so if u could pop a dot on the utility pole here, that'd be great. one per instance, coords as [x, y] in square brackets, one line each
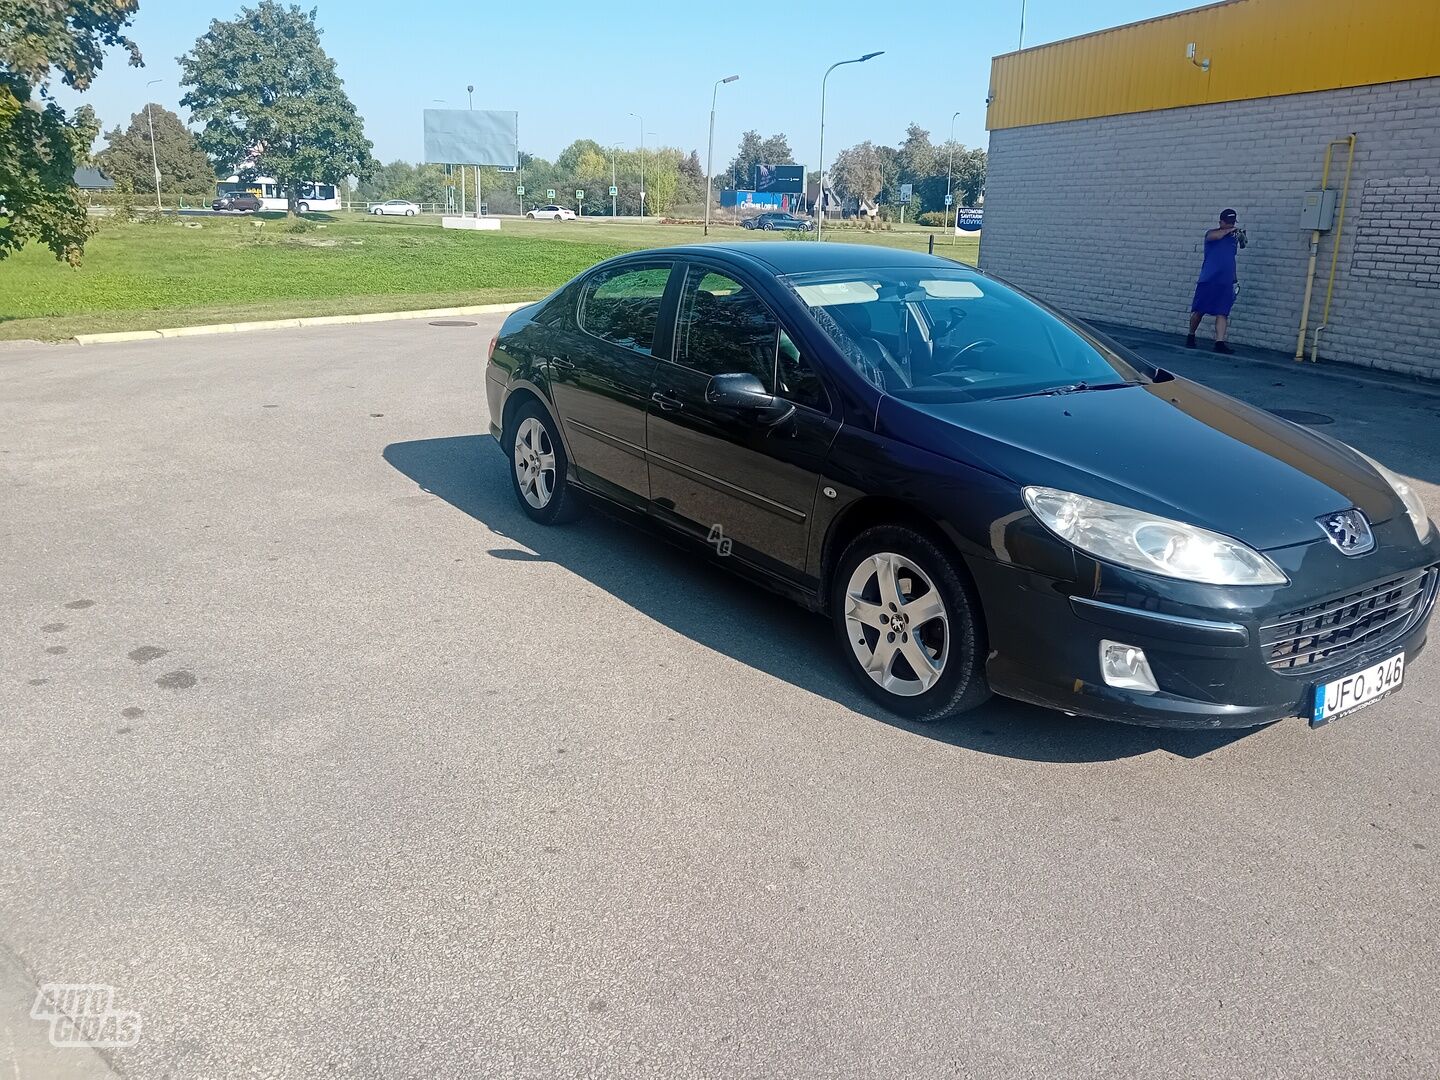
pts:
[613, 187]
[642, 162]
[154, 162]
[710, 153]
[820, 201]
[949, 175]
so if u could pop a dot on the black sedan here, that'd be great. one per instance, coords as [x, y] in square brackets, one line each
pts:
[980, 493]
[241, 201]
[771, 222]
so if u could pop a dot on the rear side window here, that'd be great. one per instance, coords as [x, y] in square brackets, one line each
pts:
[623, 305]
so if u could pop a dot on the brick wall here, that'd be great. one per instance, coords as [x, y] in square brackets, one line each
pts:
[1106, 217]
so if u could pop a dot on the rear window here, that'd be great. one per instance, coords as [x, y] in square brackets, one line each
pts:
[623, 305]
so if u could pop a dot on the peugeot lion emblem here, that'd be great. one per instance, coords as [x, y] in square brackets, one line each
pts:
[1349, 531]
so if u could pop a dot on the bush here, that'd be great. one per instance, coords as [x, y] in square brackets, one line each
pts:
[938, 218]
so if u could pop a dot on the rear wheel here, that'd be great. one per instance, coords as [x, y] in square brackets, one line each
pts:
[539, 469]
[768, 226]
[303, 207]
[908, 624]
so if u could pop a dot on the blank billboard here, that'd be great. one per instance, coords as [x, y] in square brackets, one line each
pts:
[471, 137]
[781, 179]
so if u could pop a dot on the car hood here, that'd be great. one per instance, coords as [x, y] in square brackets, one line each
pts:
[1172, 447]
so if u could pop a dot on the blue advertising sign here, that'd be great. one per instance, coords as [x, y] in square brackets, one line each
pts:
[968, 218]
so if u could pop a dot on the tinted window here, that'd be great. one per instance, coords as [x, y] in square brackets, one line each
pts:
[725, 328]
[623, 305]
[940, 334]
[796, 380]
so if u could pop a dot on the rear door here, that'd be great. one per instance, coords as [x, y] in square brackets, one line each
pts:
[748, 488]
[601, 368]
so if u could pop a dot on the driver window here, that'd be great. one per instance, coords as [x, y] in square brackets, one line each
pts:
[725, 328]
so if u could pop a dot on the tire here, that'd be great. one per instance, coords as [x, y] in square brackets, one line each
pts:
[950, 635]
[303, 207]
[769, 226]
[409, 213]
[531, 442]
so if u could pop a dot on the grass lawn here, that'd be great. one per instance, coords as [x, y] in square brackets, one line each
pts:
[147, 276]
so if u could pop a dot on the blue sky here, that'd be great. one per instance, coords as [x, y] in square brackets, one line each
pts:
[575, 73]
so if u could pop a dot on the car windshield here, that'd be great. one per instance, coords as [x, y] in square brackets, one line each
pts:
[936, 334]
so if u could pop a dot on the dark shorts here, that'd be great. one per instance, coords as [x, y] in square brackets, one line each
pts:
[1214, 298]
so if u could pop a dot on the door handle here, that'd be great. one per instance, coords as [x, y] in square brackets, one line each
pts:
[561, 363]
[666, 401]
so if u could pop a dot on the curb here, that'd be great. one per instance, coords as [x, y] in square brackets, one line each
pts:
[290, 324]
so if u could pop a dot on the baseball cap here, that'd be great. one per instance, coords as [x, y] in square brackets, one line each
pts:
[1227, 215]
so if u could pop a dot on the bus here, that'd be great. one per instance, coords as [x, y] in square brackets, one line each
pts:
[271, 193]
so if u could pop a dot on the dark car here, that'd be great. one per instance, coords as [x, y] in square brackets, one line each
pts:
[981, 493]
[240, 200]
[773, 221]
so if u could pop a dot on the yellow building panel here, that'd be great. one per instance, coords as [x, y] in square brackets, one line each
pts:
[1254, 49]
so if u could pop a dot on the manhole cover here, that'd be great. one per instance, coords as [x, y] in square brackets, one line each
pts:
[451, 322]
[1300, 416]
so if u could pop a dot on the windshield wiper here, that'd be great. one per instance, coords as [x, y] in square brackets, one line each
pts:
[1071, 388]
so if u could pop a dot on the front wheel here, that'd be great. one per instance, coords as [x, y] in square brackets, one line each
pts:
[908, 624]
[409, 213]
[539, 470]
[768, 227]
[303, 207]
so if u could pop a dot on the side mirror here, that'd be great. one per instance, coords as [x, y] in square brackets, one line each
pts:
[745, 393]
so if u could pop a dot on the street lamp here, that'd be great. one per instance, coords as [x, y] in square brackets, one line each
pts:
[642, 161]
[470, 93]
[950, 172]
[820, 201]
[710, 153]
[154, 162]
[1022, 24]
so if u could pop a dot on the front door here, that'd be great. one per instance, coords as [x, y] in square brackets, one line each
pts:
[747, 487]
[601, 376]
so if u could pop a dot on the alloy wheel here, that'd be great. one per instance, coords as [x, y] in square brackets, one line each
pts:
[897, 624]
[534, 463]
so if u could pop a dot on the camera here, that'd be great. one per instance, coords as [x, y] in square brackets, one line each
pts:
[1240, 233]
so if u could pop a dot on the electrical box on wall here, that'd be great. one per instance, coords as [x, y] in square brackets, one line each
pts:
[1318, 210]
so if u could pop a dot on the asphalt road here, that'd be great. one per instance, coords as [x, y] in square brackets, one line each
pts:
[331, 763]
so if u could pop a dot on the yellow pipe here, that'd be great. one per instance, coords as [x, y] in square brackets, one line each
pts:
[1334, 251]
[1314, 254]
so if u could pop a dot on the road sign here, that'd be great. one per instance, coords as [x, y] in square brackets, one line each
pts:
[614, 191]
[949, 199]
[519, 189]
[905, 192]
[550, 194]
[579, 194]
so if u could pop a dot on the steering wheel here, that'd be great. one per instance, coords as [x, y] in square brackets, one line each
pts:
[978, 343]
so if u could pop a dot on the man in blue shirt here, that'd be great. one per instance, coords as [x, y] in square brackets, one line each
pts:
[1219, 282]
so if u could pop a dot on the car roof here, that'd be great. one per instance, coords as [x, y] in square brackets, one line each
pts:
[808, 256]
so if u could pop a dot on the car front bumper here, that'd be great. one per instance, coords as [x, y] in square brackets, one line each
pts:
[1209, 656]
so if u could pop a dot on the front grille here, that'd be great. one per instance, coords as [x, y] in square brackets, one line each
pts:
[1329, 632]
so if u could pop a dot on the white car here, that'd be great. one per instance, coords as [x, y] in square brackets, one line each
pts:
[550, 213]
[397, 207]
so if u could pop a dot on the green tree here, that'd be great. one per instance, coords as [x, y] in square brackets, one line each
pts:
[754, 150]
[270, 101]
[39, 145]
[859, 171]
[183, 165]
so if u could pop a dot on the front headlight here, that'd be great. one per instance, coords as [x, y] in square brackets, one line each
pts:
[1155, 545]
[1408, 495]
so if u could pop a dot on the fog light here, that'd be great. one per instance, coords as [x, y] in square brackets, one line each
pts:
[1125, 666]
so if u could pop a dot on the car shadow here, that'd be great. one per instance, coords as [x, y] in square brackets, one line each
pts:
[696, 597]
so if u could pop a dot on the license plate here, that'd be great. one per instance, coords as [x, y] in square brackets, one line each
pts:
[1343, 696]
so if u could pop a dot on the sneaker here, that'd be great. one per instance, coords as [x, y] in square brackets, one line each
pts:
[1222, 347]
[1189, 341]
